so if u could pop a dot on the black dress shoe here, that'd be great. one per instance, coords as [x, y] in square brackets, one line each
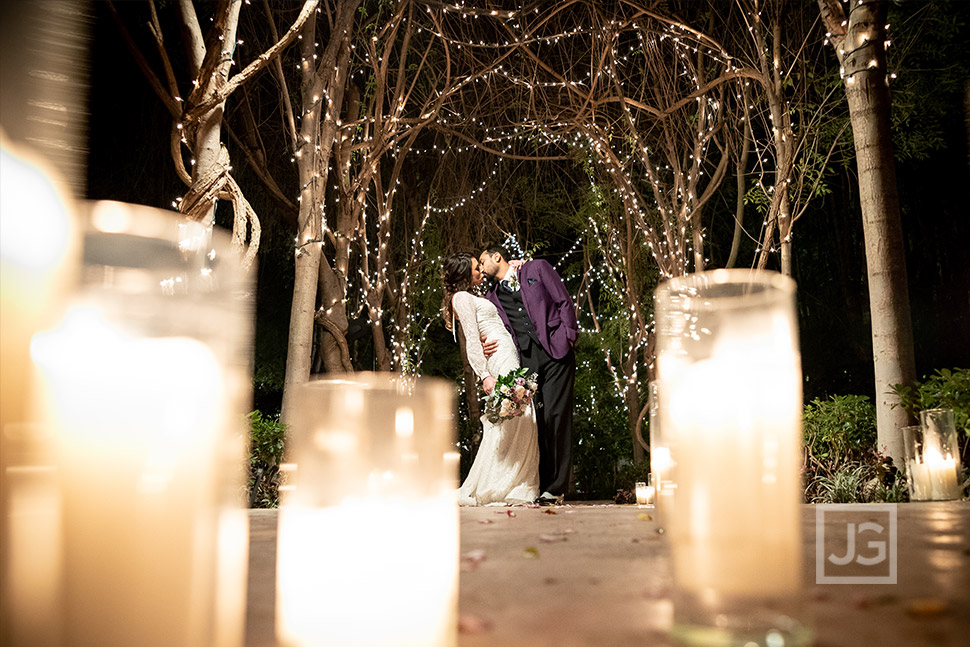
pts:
[547, 498]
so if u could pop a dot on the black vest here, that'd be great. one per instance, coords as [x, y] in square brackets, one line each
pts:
[518, 317]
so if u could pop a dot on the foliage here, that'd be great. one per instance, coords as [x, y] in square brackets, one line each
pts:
[627, 478]
[601, 438]
[933, 39]
[265, 455]
[945, 389]
[839, 437]
[839, 430]
[861, 483]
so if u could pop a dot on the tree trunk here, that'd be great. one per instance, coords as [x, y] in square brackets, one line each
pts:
[634, 422]
[333, 319]
[208, 139]
[322, 96]
[861, 51]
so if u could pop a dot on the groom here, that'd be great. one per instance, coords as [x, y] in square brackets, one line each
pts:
[539, 314]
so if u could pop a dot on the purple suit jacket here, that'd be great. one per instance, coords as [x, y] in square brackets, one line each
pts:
[548, 305]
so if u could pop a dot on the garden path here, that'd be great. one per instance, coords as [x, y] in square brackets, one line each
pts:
[587, 574]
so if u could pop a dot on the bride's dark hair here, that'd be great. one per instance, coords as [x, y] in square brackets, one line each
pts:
[456, 276]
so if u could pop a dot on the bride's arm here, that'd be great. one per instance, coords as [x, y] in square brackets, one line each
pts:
[463, 305]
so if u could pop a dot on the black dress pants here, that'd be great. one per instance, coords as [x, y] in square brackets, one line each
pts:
[554, 415]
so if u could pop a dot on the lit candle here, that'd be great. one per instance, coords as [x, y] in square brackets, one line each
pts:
[368, 532]
[37, 243]
[141, 387]
[735, 511]
[934, 479]
[645, 493]
[932, 457]
[661, 460]
[38, 258]
[137, 423]
[730, 415]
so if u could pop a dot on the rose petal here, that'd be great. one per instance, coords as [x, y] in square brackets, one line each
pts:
[469, 624]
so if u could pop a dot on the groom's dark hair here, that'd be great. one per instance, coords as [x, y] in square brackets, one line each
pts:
[497, 249]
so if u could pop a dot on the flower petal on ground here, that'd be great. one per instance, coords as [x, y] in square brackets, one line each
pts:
[469, 624]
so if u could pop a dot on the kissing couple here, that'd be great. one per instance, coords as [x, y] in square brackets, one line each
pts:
[527, 319]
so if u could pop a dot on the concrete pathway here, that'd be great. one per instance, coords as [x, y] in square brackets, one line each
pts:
[599, 575]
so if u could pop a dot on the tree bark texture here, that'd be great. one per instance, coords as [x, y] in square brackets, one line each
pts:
[216, 61]
[861, 51]
[322, 97]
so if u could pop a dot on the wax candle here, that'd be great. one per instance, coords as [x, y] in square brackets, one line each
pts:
[735, 511]
[932, 457]
[369, 572]
[368, 529]
[38, 259]
[137, 422]
[935, 478]
[142, 388]
[645, 494]
[730, 414]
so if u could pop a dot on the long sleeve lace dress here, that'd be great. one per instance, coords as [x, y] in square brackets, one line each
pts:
[506, 469]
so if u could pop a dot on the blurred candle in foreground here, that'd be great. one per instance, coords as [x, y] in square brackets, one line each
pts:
[37, 262]
[368, 527]
[143, 384]
[730, 377]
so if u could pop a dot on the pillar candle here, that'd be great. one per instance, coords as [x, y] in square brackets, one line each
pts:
[368, 531]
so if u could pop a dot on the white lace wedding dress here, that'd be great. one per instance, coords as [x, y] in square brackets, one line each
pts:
[506, 469]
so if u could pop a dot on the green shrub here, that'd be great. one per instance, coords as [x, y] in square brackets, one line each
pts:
[265, 455]
[866, 482]
[839, 430]
[945, 389]
[840, 451]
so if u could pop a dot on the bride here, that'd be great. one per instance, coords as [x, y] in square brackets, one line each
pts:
[506, 469]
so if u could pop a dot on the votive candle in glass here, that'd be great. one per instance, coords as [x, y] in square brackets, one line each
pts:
[38, 261]
[933, 457]
[368, 527]
[730, 376]
[144, 384]
[645, 492]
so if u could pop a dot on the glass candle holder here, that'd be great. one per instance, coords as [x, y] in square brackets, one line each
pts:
[730, 376]
[933, 457]
[144, 383]
[661, 460]
[368, 524]
[38, 260]
[646, 492]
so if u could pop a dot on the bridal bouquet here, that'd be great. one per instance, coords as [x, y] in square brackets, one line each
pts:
[513, 392]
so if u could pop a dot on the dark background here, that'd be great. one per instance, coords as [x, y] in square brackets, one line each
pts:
[128, 160]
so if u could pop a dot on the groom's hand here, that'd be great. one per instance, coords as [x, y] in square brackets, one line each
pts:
[489, 347]
[488, 384]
